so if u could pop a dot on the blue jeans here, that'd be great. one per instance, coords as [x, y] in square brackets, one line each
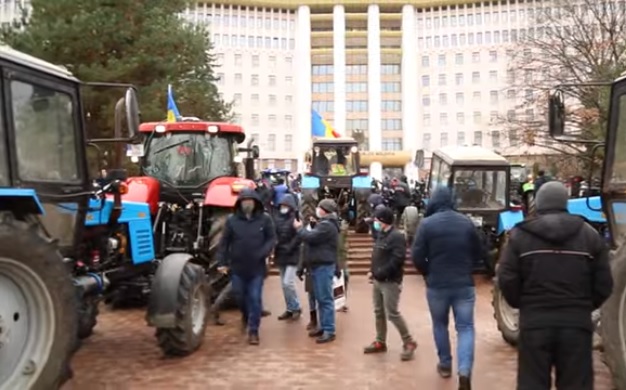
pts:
[288, 281]
[323, 291]
[462, 301]
[249, 291]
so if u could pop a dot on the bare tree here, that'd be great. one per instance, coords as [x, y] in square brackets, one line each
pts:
[567, 43]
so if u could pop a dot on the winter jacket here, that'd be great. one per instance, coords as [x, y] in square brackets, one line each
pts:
[402, 195]
[388, 256]
[375, 200]
[447, 245]
[555, 270]
[247, 242]
[287, 251]
[541, 180]
[321, 241]
[410, 220]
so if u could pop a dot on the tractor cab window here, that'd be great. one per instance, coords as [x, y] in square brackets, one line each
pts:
[480, 189]
[45, 133]
[189, 159]
[332, 160]
[439, 175]
[619, 159]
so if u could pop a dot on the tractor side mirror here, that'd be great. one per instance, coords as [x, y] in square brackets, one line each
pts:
[556, 115]
[256, 152]
[419, 159]
[132, 113]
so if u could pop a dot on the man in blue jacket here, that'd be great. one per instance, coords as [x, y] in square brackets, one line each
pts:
[248, 239]
[445, 249]
[321, 248]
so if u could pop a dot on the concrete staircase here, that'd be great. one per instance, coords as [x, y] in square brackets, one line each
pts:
[360, 255]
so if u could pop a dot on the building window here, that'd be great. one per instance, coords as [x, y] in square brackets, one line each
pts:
[442, 79]
[390, 69]
[237, 99]
[477, 117]
[493, 76]
[441, 60]
[238, 78]
[392, 143]
[288, 143]
[458, 78]
[255, 61]
[391, 105]
[255, 119]
[476, 96]
[476, 57]
[443, 118]
[271, 142]
[475, 77]
[220, 79]
[425, 61]
[443, 140]
[272, 81]
[458, 58]
[426, 120]
[288, 121]
[460, 98]
[272, 99]
[426, 141]
[386, 87]
[255, 98]
[493, 97]
[478, 138]
[493, 56]
[426, 100]
[495, 138]
[425, 81]
[391, 124]
[460, 138]
[238, 59]
[443, 99]
[255, 79]
[460, 118]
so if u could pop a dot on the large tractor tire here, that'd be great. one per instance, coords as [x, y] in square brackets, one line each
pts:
[363, 210]
[87, 317]
[613, 321]
[38, 309]
[218, 281]
[191, 314]
[309, 202]
[507, 318]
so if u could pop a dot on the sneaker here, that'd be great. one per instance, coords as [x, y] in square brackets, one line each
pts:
[253, 339]
[266, 313]
[316, 332]
[464, 383]
[325, 338]
[295, 315]
[408, 351]
[375, 347]
[444, 372]
[285, 316]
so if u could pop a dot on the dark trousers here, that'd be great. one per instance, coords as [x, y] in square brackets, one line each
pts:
[568, 350]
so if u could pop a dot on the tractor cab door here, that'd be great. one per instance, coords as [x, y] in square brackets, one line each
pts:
[46, 149]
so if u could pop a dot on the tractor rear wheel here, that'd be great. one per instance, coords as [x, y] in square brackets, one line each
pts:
[217, 281]
[613, 321]
[507, 318]
[191, 314]
[362, 210]
[87, 317]
[308, 204]
[38, 322]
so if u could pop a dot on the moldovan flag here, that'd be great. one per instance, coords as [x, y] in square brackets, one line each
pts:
[172, 111]
[321, 128]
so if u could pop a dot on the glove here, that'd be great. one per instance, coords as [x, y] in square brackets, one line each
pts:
[337, 272]
[300, 274]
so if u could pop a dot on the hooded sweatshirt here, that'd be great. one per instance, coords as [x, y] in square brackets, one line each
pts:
[247, 242]
[287, 250]
[555, 266]
[446, 245]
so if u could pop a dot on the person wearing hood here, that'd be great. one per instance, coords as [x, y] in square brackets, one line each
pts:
[286, 255]
[555, 270]
[445, 249]
[321, 251]
[374, 201]
[248, 239]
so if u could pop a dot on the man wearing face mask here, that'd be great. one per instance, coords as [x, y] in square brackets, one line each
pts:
[286, 255]
[321, 247]
[248, 239]
[386, 273]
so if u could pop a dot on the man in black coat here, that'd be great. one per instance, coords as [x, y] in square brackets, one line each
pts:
[248, 239]
[555, 270]
[286, 255]
[386, 274]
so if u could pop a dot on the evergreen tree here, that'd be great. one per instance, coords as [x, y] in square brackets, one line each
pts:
[141, 42]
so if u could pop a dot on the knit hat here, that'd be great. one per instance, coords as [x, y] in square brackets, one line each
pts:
[328, 205]
[552, 196]
[384, 215]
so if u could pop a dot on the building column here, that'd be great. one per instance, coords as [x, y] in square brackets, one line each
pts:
[302, 141]
[339, 63]
[373, 85]
[410, 86]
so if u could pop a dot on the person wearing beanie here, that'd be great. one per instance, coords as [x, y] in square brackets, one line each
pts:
[445, 249]
[555, 270]
[321, 244]
[386, 272]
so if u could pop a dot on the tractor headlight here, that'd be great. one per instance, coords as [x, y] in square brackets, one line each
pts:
[212, 129]
[160, 128]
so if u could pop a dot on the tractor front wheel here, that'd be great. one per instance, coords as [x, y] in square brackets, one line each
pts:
[191, 314]
[507, 318]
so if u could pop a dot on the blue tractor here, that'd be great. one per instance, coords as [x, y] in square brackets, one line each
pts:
[279, 181]
[334, 173]
[67, 243]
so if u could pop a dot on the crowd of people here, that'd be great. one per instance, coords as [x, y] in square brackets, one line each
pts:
[554, 269]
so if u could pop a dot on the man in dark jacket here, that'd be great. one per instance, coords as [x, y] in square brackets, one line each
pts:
[321, 251]
[540, 180]
[386, 274]
[555, 270]
[247, 241]
[286, 255]
[445, 249]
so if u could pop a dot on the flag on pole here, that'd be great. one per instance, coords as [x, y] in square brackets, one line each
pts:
[172, 110]
[321, 128]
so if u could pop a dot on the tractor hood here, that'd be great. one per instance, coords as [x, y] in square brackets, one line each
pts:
[223, 191]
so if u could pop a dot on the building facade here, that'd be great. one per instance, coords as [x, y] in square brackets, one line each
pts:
[403, 75]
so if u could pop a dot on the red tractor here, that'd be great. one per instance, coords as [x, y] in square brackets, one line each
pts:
[191, 177]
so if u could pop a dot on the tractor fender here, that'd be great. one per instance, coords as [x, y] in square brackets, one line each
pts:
[21, 201]
[163, 300]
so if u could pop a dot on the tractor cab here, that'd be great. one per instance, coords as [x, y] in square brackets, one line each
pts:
[190, 159]
[335, 157]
